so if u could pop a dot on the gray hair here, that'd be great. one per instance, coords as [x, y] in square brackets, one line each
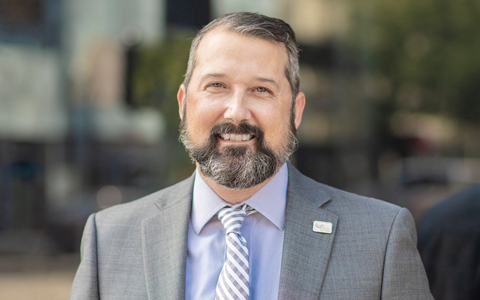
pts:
[254, 25]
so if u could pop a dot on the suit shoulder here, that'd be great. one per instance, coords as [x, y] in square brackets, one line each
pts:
[339, 201]
[352, 200]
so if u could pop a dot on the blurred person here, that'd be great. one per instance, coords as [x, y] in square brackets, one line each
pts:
[449, 244]
[247, 224]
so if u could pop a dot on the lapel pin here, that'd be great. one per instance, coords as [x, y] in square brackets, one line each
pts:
[322, 227]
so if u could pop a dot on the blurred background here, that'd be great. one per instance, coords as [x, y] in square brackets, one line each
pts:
[89, 117]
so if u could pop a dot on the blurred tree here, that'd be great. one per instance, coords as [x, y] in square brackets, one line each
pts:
[425, 51]
[157, 76]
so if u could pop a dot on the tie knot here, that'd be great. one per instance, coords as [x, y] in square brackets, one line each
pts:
[232, 218]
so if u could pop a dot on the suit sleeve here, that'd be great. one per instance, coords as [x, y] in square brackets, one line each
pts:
[85, 284]
[404, 275]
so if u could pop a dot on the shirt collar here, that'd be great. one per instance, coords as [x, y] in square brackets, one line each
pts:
[270, 201]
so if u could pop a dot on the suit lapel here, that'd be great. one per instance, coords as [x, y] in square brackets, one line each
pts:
[305, 253]
[164, 243]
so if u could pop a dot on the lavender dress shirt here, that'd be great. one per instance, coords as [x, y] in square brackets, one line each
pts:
[263, 231]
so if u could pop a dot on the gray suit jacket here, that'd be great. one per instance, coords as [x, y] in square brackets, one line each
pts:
[138, 250]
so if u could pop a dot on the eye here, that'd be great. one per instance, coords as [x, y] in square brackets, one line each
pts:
[261, 89]
[215, 85]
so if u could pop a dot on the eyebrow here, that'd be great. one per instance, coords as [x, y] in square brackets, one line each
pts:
[210, 75]
[268, 80]
[214, 75]
[221, 75]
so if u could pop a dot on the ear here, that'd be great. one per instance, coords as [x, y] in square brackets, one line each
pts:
[181, 94]
[299, 106]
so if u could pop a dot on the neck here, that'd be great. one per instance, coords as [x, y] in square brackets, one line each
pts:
[233, 196]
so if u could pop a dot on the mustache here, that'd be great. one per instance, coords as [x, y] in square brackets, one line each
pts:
[242, 128]
[210, 145]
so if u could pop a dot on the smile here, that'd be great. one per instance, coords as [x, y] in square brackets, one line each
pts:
[236, 137]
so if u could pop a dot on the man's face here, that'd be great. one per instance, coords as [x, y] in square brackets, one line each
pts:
[237, 119]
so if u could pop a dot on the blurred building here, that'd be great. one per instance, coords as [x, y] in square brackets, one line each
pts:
[70, 143]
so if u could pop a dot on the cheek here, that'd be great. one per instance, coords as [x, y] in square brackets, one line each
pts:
[200, 120]
[206, 110]
[275, 123]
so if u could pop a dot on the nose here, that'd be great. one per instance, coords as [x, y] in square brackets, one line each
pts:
[237, 109]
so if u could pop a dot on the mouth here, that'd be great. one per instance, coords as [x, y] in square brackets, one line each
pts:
[236, 137]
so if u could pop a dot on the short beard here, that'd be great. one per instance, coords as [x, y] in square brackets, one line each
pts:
[238, 167]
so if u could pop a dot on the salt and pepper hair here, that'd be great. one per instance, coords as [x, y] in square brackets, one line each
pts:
[259, 26]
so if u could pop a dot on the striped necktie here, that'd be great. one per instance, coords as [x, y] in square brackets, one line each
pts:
[233, 282]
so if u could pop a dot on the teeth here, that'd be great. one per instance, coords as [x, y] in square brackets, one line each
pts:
[236, 137]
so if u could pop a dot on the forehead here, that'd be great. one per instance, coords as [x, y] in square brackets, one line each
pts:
[224, 50]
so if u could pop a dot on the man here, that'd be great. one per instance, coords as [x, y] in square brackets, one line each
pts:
[247, 224]
[449, 244]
